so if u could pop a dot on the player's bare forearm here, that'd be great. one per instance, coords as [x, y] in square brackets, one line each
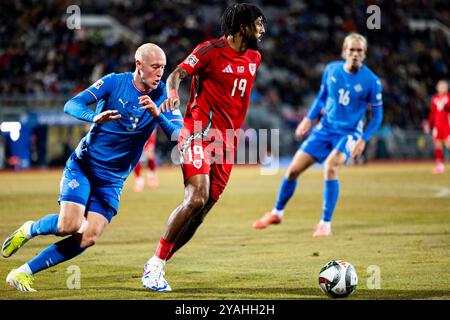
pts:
[174, 80]
[303, 127]
[173, 83]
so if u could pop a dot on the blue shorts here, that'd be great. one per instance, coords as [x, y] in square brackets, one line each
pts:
[321, 142]
[79, 186]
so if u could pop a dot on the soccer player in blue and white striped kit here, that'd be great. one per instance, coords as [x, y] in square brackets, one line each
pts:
[348, 88]
[126, 115]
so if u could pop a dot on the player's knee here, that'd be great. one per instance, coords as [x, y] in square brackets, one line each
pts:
[330, 170]
[197, 201]
[87, 242]
[68, 226]
[292, 173]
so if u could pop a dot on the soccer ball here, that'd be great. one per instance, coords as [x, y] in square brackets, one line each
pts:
[338, 278]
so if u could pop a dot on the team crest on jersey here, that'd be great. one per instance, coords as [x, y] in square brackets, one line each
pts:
[252, 68]
[350, 143]
[73, 184]
[191, 60]
[98, 84]
[197, 164]
[358, 88]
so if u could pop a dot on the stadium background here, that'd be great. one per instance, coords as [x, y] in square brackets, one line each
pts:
[43, 63]
[391, 216]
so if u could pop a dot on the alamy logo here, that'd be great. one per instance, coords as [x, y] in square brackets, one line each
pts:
[73, 21]
[374, 20]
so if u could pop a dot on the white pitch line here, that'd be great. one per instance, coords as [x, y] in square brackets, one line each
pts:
[442, 193]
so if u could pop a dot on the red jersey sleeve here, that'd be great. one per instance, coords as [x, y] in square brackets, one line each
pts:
[196, 62]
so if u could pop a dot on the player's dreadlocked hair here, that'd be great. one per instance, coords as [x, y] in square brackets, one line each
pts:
[240, 14]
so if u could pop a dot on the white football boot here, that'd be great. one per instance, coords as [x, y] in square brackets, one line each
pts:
[153, 276]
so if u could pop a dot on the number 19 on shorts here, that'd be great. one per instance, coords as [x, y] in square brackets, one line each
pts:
[198, 151]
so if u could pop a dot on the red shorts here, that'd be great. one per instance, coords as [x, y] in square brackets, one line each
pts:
[205, 153]
[441, 133]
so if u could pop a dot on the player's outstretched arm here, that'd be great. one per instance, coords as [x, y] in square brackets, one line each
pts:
[78, 107]
[173, 83]
[303, 127]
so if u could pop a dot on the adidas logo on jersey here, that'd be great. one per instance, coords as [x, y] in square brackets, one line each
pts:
[227, 69]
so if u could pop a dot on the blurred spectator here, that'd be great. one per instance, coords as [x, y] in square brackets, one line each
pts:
[40, 55]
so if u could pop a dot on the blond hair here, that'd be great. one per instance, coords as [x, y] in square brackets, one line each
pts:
[144, 50]
[352, 37]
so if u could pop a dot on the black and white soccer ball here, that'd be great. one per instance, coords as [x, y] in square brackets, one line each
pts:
[338, 278]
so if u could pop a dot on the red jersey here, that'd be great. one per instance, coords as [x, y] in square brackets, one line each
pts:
[221, 83]
[440, 112]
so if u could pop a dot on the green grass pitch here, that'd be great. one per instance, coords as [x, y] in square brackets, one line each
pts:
[391, 218]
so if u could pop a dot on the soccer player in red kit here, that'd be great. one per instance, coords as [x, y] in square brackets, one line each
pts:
[439, 121]
[223, 71]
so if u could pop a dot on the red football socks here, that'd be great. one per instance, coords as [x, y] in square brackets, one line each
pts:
[439, 155]
[152, 164]
[137, 169]
[164, 248]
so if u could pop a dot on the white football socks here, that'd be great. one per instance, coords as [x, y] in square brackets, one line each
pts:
[326, 223]
[28, 231]
[277, 212]
[156, 260]
[25, 268]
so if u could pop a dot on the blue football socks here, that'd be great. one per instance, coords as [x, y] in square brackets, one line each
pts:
[46, 225]
[286, 191]
[61, 251]
[330, 197]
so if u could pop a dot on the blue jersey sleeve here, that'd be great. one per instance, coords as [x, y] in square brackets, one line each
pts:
[376, 103]
[78, 106]
[103, 87]
[319, 102]
[171, 123]
[375, 95]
